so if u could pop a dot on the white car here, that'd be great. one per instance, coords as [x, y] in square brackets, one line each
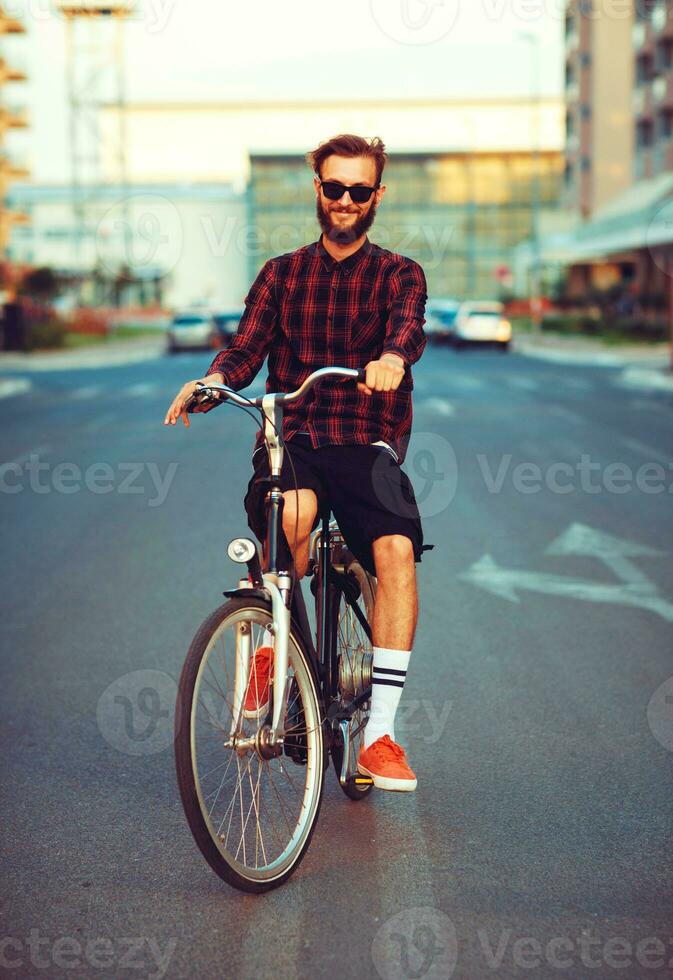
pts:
[484, 322]
[440, 318]
[191, 330]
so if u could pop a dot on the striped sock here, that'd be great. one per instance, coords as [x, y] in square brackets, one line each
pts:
[389, 670]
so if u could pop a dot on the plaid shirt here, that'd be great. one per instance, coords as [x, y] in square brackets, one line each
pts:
[306, 311]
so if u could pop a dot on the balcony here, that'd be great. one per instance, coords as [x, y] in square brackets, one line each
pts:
[10, 25]
[13, 117]
[11, 72]
[13, 167]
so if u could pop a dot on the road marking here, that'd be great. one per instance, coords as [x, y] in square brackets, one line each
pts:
[570, 357]
[648, 451]
[637, 377]
[634, 588]
[141, 389]
[14, 386]
[440, 406]
[81, 394]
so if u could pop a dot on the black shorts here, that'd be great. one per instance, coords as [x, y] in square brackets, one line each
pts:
[364, 486]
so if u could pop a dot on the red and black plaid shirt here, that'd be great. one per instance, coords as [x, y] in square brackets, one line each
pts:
[306, 310]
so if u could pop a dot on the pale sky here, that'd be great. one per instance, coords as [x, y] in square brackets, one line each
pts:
[207, 50]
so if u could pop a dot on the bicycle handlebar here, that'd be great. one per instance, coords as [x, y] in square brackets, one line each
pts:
[203, 394]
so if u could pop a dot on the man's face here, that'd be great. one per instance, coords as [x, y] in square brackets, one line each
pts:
[344, 221]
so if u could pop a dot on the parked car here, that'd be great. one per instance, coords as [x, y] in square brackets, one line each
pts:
[226, 325]
[483, 322]
[440, 318]
[191, 330]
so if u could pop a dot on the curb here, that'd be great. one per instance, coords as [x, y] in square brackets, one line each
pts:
[83, 358]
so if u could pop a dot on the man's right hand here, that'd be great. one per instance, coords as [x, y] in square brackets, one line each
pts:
[177, 409]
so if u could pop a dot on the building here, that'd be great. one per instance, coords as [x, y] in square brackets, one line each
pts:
[12, 117]
[652, 99]
[236, 173]
[460, 214]
[599, 70]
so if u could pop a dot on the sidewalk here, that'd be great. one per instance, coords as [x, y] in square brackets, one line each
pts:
[644, 365]
[109, 354]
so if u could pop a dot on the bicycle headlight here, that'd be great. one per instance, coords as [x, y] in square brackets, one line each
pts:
[241, 550]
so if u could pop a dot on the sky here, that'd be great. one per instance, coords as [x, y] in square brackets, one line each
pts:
[204, 50]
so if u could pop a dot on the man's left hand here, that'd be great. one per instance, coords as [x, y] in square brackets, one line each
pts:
[383, 375]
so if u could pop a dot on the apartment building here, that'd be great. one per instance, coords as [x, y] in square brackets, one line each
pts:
[12, 117]
[599, 71]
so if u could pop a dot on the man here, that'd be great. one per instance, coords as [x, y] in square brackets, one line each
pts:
[342, 301]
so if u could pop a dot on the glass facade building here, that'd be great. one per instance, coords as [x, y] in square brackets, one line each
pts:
[459, 214]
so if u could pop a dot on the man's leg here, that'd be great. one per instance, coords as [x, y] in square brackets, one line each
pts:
[395, 616]
[396, 609]
[299, 513]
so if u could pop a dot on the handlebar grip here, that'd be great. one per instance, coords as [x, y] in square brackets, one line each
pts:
[362, 375]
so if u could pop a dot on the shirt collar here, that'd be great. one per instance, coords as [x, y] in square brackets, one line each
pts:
[344, 265]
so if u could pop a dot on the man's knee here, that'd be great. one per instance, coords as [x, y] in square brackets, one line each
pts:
[393, 555]
[299, 512]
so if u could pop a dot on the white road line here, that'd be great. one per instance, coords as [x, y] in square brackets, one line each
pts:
[141, 389]
[438, 406]
[81, 394]
[14, 386]
[648, 451]
[640, 377]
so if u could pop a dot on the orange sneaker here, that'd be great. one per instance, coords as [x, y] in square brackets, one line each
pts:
[257, 695]
[386, 762]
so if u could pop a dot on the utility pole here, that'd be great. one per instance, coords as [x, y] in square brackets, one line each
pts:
[95, 66]
[536, 264]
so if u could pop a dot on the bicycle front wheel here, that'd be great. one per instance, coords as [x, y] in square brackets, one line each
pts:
[252, 817]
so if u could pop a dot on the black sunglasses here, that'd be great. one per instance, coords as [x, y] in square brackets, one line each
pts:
[359, 193]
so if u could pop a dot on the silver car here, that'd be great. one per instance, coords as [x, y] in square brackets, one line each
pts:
[484, 322]
[191, 330]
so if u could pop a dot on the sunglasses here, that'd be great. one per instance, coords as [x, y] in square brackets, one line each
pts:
[359, 193]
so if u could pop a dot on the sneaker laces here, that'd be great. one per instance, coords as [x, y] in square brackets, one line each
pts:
[386, 746]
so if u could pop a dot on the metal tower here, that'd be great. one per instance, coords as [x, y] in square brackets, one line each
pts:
[96, 80]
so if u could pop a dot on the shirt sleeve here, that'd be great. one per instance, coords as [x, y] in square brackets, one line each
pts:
[405, 335]
[241, 361]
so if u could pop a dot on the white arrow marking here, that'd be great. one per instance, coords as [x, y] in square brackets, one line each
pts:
[635, 589]
[439, 406]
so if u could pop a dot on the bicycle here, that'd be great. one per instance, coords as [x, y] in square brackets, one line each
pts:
[252, 787]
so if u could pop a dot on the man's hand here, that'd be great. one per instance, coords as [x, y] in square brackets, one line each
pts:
[383, 375]
[177, 409]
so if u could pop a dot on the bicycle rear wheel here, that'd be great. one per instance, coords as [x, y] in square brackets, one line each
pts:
[252, 817]
[354, 653]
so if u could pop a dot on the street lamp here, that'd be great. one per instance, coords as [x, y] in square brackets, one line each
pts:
[533, 40]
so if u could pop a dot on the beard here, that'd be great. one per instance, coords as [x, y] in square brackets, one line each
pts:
[344, 236]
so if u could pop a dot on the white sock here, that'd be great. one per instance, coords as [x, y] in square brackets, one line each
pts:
[267, 640]
[389, 670]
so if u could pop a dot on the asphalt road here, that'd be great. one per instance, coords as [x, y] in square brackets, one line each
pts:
[538, 712]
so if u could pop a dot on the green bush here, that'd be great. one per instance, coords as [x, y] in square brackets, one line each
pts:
[45, 334]
[573, 323]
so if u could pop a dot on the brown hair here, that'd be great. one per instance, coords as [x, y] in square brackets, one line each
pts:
[347, 145]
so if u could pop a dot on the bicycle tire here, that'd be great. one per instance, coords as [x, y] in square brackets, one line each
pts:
[367, 585]
[185, 725]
